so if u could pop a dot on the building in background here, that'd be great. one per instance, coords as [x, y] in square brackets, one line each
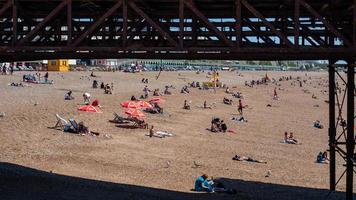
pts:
[58, 65]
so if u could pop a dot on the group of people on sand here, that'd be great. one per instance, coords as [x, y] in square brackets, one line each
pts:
[108, 89]
[5, 70]
[204, 184]
[218, 125]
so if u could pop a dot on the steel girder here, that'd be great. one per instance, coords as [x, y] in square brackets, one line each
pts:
[181, 29]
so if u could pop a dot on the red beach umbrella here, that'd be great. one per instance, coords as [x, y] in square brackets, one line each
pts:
[134, 113]
[130, 104]
[90, 108]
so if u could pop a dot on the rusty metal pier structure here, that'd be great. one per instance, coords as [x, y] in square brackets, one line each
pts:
[197, 29]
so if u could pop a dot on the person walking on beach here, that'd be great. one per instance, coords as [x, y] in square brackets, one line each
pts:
[151, 133]
[275, 95]
[46, 77]
[240, 107]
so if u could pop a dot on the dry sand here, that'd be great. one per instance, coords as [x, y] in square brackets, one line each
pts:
[128, 158]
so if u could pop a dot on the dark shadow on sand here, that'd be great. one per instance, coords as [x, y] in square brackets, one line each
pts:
[23, 183]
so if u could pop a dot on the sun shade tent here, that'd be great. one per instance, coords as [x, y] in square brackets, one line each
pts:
[90, 108]
[156, 100]
[144, 104]
[134, 113]
[130, 104]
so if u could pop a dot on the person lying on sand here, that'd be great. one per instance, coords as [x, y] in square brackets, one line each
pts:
[227, 91]
[238, 95]
[17, 84]
[239, 119]
[247, 159]
[186, 106]
[155, 109]
[322, 158]
[227, 101]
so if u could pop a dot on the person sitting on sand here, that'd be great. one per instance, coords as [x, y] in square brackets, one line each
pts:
[202, 184]
[92, 74]
[322, 158]
[314, 96]
[289, 139]
[95, 84]
[215, 125]
[227, 101]
[133, 98]
[205, 106]
[146, 92]
[96, 103]
[102, 85]
[166, 91]
[317, 124]
[86, 97]
[247, 159]
[186, 106]
[156, 92]
[107, 89]
[185, 90]
[223, 126]
[68, 96]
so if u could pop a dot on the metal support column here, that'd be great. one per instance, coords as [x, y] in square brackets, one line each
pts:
[350, 142]
[332, 129]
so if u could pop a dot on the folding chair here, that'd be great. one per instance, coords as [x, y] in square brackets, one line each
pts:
[61, 122]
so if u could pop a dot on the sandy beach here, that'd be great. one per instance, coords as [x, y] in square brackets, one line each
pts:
[163, 168]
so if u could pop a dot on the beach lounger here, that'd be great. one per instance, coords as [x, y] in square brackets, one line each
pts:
[61, 123]
[119, 120]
